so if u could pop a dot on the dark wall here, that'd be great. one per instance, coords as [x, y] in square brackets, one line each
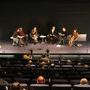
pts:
[43, 14]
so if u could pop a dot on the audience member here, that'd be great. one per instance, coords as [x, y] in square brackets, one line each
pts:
[3, 82]
[44, 60]
[28, 56]
[15, 86]
[40, 80]
[84, 81]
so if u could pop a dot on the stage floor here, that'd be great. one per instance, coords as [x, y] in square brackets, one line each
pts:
[6, 47]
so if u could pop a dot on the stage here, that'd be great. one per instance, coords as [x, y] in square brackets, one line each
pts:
[39, 48]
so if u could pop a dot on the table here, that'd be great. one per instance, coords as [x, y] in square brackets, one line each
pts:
[42, 38]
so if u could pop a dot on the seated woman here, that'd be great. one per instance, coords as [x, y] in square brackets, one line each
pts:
[73, 37]
[28, 56]
[52, 37]
[34, 35]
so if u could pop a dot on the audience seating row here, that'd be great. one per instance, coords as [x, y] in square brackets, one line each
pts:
[49, 87]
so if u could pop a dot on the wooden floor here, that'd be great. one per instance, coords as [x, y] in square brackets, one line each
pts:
[6, 47]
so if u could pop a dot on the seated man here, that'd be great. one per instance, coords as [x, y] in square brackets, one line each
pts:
[18, 37]
[84, 81]
[63, 36]
[40, 80]
[15, 86]
[21, 36]
[15, 38]
[44, 60]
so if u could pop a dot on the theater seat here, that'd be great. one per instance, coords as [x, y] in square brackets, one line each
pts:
[61, 87]
[24, 86]
[59, 81]
[39, 87]
[81, 87]
[73, 82]
[22, 80]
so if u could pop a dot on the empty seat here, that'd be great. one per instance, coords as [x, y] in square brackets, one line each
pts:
[39, 87]
[61, 87]
[81, 87]
[59, 81]
[73, 82]
[22, 80]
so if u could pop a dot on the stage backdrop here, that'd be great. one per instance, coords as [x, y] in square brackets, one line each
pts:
[43, 14]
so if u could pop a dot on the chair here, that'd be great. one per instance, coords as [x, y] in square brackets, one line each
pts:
[82, 37]
[34, 81]
[73, 82]
[81, 87]
[22, 80]
[24, 86]
[61, 87]
[39, 87]
[59, 81]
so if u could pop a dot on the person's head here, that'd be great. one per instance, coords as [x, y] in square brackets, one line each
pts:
[75, 30]
[30, 61]
[35, 29]
[20, 29]
[15, 86]
[64, 29]
[17, 30]
[83, 81]
[53, 28]
[40, 79]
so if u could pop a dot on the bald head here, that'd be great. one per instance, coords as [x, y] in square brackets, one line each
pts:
[40, 80]
[83, 81]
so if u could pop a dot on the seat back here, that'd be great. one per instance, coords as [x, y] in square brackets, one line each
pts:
[59, 81]
[81, 87]
[39, 87]
[24, 86]
[61, 87]
[82, 37]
